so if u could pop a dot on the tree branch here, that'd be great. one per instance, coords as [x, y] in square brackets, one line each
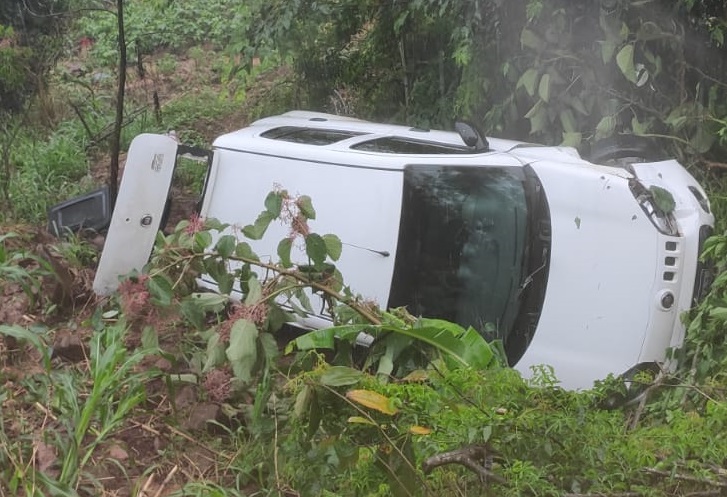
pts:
[477, 458]
[365, 313]
[683, 477]
[644, 398]
[618, 494]
[116, 137]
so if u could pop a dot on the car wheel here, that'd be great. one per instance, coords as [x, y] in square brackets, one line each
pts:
[622, 150]
[634, 384]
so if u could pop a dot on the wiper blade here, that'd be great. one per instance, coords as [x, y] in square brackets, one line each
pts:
[529, 279]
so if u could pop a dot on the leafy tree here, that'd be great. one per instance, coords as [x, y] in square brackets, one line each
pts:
[545, 70]
[384, 58]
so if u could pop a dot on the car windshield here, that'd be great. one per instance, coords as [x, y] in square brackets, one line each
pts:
[463, 246]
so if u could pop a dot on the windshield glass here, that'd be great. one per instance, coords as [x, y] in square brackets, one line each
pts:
[462, 245]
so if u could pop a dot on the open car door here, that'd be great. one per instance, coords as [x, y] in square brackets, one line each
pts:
[141, 206]
[138, 209]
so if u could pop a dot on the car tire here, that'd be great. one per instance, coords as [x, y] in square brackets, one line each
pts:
[622, 150]
[632, 391]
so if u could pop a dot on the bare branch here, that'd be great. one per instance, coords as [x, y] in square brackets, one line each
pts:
[644, 398]
[683, 477]
[713, 165]
[618, 494]
[116, 136]
[476, 458]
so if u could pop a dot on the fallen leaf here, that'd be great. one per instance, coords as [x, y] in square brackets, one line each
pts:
[373, 400]
[117, 452]
[45, 456]
[419, 430]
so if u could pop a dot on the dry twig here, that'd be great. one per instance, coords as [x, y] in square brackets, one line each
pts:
[715, 165]
[644, 398]
[166, 480]
[147, 485]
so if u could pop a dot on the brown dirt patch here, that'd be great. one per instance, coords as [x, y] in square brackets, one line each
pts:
[14, 304]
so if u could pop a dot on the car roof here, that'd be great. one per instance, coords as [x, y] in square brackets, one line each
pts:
[253, 139]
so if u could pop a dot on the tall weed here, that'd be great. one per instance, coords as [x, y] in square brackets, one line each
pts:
[46, 169]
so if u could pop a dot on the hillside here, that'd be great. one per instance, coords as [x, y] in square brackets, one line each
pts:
[165, 390]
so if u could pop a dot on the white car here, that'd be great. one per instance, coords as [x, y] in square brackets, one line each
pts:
[580, 266]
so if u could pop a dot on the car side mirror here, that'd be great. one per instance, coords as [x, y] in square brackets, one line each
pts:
[471, 136]
[90, 211]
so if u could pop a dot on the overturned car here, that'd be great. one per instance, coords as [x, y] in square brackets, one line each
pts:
[582, 266]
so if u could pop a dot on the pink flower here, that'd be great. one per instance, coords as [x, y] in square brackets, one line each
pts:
[257, 313]
[134, 296]
[217, 384]
[196, 224]
[291, 215]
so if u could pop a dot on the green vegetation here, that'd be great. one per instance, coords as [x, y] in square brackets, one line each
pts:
[543, 70]
[535, 70]
[21, 267]
[87, 406]
[391, 422]
[45, 171]
[167, 390]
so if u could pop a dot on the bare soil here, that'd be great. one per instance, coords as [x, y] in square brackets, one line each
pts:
[160, 447]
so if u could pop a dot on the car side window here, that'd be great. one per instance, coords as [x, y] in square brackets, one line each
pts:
[310, 136]
[396, 145]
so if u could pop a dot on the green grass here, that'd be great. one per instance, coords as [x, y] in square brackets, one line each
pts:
[167, 64]
[89, 406]
[46, 169]
[14, 267]
[51, 167]
[158, 24]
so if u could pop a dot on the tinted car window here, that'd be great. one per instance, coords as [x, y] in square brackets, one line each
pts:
[393, 145]
[311, 136]
[462, 245]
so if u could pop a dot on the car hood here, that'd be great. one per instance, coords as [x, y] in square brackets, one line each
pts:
[601, 280]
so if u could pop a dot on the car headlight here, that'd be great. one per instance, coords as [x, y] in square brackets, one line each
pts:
[662, 221]
[703, 201]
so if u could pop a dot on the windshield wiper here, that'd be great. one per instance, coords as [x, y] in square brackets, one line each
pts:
[529, 279]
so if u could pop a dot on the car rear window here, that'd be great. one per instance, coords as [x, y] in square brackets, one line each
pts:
[310, 136]
[397, 145]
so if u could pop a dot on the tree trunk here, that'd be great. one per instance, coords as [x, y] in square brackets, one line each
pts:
[116, 136]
